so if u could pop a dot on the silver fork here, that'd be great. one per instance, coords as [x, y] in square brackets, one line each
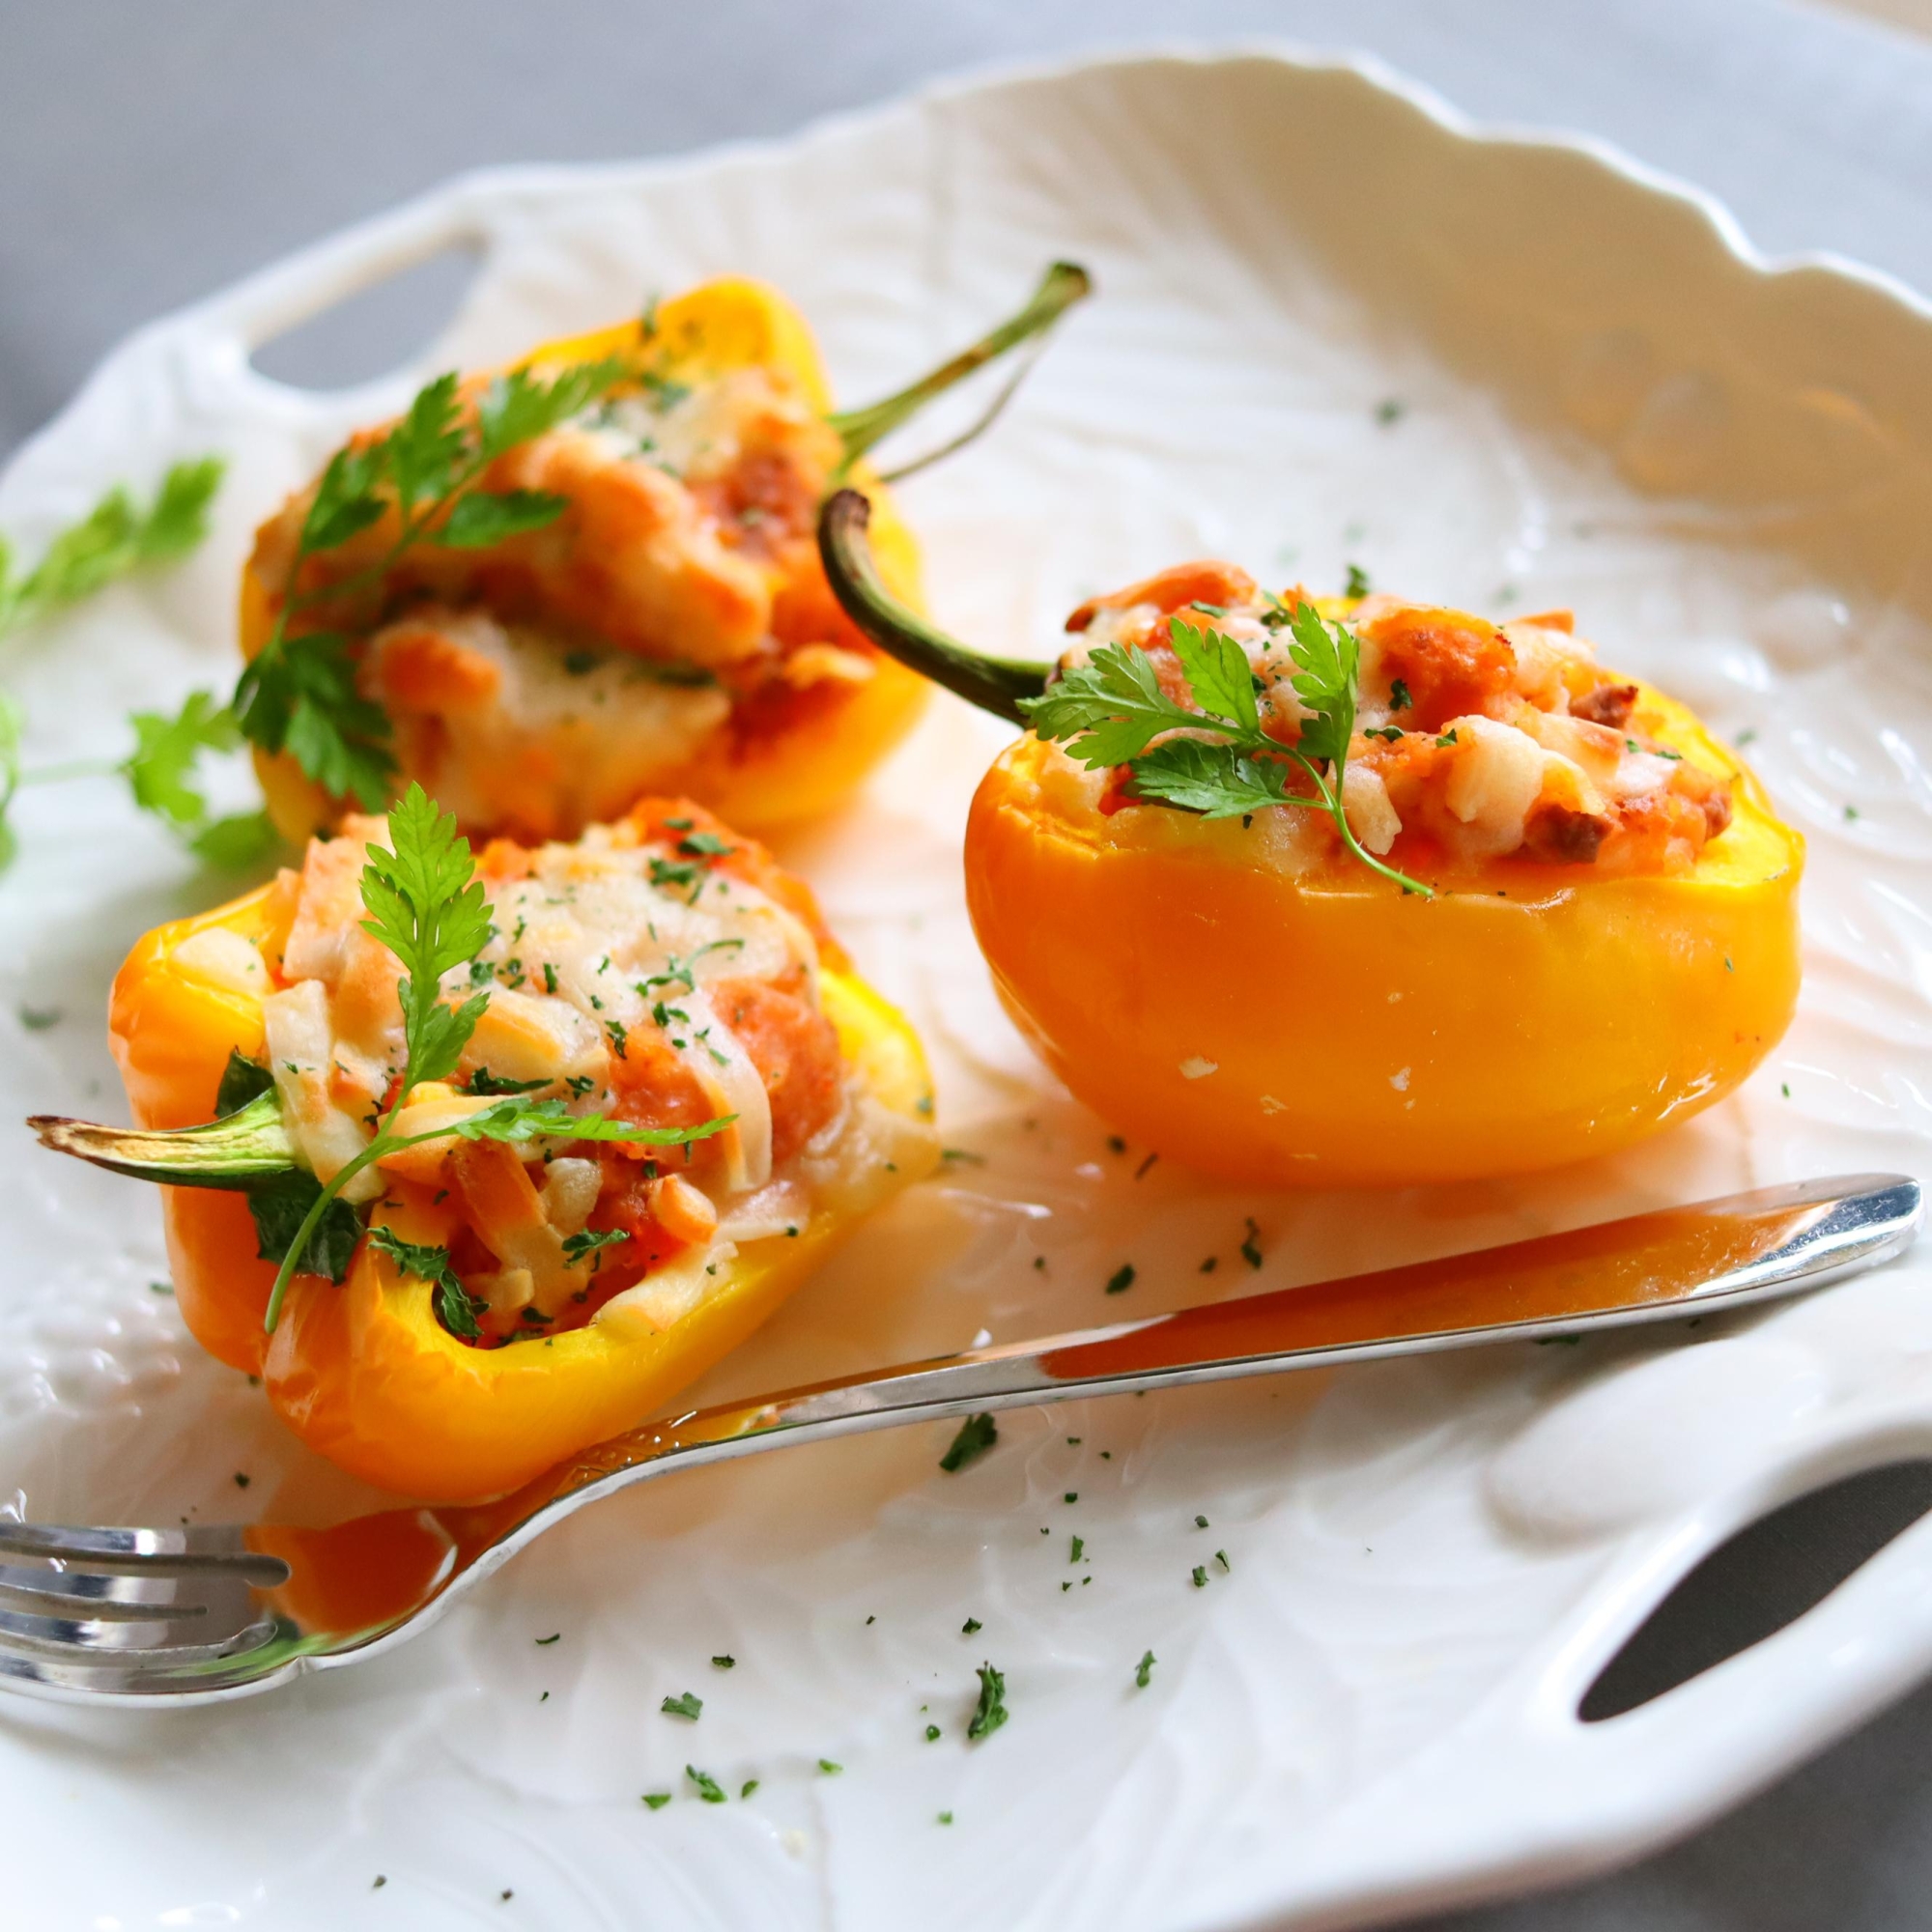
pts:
[175, 1616]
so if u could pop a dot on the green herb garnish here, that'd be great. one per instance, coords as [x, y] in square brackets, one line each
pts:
[1250, 1244]
[114, 539]
[298, 695]
[594, 1240]
[976, 1435]
[1110, 711]
[457, 1308]
[990, 1712]
[689, 1705]
[427, 907]
[483, 1081]
[283, 1208]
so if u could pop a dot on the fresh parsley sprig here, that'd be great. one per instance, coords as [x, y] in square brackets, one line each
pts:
[1110, 711]
[426, 905]
[115, 537]
[161, 773]
[298, 695]
[119, 536]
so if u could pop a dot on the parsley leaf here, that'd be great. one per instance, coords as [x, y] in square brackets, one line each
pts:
[519, 1119]
[483, 1081]
[427, 444]
[666, 873]
[1326, 658]
[1214, 779]
[592, 1241]
[347, 499]
[1218, 675]
[285, 1206]
[432, 915]
[239, 839]
[519, 407]
[990, 1712]
[298, 695]
[115, 537]
[456, 1307]
[682, 972]
[976, 1435]
[688, 1705]
[241, 1081]
[161, 765]
[1110, 711]
[483, 518]
[428, 907]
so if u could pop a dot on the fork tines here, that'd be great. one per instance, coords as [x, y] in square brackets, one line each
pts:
[94, 1608]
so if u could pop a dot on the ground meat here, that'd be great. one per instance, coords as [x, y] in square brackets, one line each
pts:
[1561, 837]
[1609, 704]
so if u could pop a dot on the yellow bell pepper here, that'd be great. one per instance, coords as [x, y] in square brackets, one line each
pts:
[363, 1371]
[779, 755]
[1325, 1027]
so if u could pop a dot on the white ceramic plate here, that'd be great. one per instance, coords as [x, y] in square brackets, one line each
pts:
[1606, 401]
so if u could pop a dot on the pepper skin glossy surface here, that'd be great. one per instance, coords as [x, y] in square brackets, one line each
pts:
[1322, 1029]
[363, 1371]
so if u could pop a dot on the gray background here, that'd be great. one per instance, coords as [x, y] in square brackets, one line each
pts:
[150, 153]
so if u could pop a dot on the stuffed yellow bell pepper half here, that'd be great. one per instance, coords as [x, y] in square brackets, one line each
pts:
[546, 593]
[1359, 891]
[475, 1172]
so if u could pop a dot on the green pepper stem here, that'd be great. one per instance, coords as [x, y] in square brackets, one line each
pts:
[1060, 288]
[236, 1150]
[993, 684]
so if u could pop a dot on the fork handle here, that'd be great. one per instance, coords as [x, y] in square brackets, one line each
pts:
[1672, 1262]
